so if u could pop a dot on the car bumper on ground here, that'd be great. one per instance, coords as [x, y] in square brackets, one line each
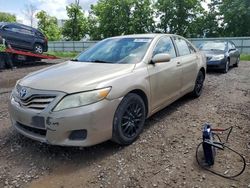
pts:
[218, 64]
[83, 126]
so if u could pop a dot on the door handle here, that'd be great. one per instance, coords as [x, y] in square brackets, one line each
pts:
[178, 64]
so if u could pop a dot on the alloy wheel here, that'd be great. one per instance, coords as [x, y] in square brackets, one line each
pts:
[131, 119]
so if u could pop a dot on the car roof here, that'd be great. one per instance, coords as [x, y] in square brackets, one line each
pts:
[216, 41]
[17, 24]
[148, 35]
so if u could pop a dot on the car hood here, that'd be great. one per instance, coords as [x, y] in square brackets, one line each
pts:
[210, 53]
[73, 77]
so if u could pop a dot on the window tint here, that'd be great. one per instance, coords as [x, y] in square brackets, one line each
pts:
[7, 28]
[165, 45]
[231, 46]
[25, 31]
[11, 28]
[182, 46]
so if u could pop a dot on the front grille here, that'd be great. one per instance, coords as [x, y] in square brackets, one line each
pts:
[39, 132]
[38, 102]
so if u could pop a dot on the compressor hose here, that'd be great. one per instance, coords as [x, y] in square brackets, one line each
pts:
[222, 175]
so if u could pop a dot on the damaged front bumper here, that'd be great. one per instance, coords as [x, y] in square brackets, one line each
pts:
[82, 126]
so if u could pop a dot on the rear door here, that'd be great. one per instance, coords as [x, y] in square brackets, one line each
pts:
[26, 37]
[188, 64]
[165, 78]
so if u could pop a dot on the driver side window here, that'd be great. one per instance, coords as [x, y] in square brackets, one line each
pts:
[165, 45]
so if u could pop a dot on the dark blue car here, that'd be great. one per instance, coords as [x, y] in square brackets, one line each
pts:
[220, 55]
[23, 37]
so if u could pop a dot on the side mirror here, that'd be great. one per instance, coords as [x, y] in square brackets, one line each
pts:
[161, 58]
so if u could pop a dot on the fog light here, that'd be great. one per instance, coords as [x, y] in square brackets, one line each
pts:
[78, 135]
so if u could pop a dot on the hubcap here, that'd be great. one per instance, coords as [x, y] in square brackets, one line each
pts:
[38, 49]
[131, 120]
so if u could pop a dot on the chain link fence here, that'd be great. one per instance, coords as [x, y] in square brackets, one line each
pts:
[242, 43]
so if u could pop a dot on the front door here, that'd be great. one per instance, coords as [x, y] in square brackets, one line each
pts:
[165, 78]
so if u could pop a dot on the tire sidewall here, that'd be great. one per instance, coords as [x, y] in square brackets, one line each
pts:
[117, 129]
[227, 65]
[195, 93]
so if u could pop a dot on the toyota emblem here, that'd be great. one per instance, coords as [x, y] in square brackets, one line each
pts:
[22, 93]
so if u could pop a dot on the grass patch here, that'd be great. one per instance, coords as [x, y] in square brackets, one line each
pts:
[64, 54]
[245, 57]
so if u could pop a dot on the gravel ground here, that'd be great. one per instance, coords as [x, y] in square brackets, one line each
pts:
[163, 156]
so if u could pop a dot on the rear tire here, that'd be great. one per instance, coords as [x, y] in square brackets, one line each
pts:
[38, 48]
[237, 62]
[198, 85]
[129, 119]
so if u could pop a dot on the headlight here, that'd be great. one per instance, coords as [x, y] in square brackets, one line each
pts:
[82, 99]
[217, 57]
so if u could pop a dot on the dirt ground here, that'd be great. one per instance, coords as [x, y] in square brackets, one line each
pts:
[163, 156]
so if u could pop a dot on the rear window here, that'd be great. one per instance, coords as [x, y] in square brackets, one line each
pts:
[182, 46]
[39, 34]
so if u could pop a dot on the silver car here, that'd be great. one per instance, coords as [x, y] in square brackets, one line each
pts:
[107, 91]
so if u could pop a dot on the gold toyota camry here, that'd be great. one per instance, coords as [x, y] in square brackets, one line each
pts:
[107, 91]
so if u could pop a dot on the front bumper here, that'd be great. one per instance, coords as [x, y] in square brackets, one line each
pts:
[56, 127]
[219, 64]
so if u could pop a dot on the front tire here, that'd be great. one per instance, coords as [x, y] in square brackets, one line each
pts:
[226, 69]
[198, 85]
[38, 48]
[129, 119]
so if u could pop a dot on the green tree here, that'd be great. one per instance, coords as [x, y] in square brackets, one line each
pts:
[75, 28]
[48, 25]
[116, 17]
[178, 16]
[93, 28]
[235, 15]
[7, 17]
[142, 17]
[113, 17]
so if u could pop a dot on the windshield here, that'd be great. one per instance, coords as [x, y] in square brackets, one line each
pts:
[213, 46]
[116, 50]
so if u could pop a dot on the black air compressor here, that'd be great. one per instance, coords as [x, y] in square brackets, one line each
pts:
[210, 144]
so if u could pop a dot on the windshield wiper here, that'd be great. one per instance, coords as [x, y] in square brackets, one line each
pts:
[215, 49]
[100, 61]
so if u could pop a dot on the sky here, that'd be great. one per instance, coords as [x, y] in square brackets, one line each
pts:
[55, 8]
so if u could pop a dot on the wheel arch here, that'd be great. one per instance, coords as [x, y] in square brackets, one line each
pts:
[143, 96]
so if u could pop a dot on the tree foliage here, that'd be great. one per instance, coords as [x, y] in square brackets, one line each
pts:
[75, 28]
[109, 18]
[179, 16]
[116, 17]
[48, 25]
[235, 16]
[113, 17]
[142, 17]
[6, 17]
